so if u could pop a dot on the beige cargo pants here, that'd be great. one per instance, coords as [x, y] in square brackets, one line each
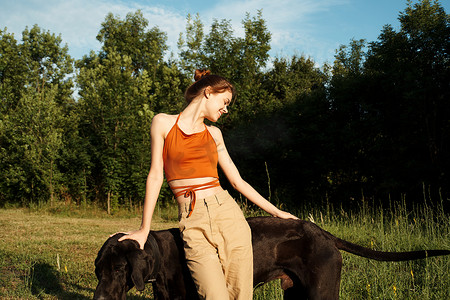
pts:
[217, 242]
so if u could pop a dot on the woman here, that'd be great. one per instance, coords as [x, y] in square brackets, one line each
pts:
[217, 239]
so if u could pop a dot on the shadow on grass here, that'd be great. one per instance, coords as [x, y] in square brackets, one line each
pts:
[46, 280]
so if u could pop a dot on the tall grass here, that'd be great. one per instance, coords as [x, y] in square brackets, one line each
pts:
[49, 253]
[396, 227]
[392, 228]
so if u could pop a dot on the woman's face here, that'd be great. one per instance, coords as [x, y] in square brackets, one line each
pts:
[217, 105]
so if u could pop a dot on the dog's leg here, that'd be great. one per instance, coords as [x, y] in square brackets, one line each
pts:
[313, 265]
[295, 293]
[325, 280]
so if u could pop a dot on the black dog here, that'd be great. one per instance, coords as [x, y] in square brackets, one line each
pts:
[305, 258]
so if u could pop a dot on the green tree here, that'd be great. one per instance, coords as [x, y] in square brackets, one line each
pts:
[119, 92]
[289, 78]
[411, 69]
[35, 89]
[249, 72]
[128, 37]
[389, 108]
[351, 130]
[241, 60]
[12, 72]
[190, 45]
[290, 136]
[146, 48]
[36, 139]
[48, 62]
[109, 94]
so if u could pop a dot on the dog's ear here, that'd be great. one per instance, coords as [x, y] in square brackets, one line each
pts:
[138, 268]
[103, 255]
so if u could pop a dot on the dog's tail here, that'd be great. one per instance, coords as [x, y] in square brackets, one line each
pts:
[386, 256]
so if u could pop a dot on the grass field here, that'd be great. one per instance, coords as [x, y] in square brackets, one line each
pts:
[49, 253]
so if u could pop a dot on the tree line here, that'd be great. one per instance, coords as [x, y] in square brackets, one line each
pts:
[374, 123]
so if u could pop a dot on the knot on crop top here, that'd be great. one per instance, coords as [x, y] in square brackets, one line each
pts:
[190, 156]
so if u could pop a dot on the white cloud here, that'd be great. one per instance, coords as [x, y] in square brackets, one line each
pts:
[289, 22]
[78, 21]
[170, 22]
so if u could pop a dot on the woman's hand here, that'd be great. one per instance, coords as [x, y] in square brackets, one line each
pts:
[284, 215]
[139, 236]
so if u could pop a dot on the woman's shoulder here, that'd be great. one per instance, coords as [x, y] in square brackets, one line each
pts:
[215, 132]
[163, 122]
[165, 118]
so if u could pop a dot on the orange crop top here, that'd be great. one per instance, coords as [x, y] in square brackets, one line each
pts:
[189, 155]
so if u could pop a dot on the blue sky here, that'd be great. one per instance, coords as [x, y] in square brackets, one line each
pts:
[313, 28]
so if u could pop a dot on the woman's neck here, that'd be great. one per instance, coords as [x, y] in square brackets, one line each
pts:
[192, 117]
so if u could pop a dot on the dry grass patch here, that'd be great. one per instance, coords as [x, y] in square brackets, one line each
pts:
[46, 256]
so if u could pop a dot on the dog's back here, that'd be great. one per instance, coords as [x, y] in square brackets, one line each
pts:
[305, 257]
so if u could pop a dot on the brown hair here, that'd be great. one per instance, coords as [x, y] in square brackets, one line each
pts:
[204, 79]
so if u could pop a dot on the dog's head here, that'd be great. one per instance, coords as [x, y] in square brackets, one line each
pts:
[119, 266]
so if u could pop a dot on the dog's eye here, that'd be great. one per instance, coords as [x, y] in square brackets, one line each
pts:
[119, 268]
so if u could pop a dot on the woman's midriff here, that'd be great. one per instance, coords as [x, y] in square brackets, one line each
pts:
[200, 194]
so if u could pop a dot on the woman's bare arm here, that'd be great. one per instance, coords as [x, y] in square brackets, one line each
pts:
[154, 180]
